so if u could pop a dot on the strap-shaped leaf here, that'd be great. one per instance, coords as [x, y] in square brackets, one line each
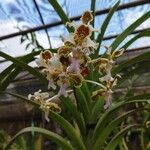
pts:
[93, 3]
[115, 141]
[108, 115]
[139, 58]
[64, 144]
[10, 77]
[21, 97]
[12, 66]
[129, 30]
[6, 71]
[97, 108]
[82, 103]
[142, 96]
[24, 66]
[113, 124]
[138, 36]
[141, 67]
[12, 71]
[86, 91]
[61, 13]
[67, 127]
[105, 25]
[70, 106]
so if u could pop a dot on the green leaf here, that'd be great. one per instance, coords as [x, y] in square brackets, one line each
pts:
[28, 45]
[28, 57]
[61, 13]
[69, 129]
[129, 30]
[105, 24]
[139, 58]
[10, 77]
[142, 96]
[138, 36]
[105, 118]
[115, 141]
[23, 39]
[75, 113]
[97, 108]
[5, 72]
[21, 97]
[93, 12]
[12, 71]
[85, 90]
[64, 144]
[82, 103]
[25, 66]
[137, 71]
[112, 125]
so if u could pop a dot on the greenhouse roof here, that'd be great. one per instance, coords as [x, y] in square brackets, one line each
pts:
[39, 16]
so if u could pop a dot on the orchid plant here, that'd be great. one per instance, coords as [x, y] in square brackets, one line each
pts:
[82, 82]
[70, 65]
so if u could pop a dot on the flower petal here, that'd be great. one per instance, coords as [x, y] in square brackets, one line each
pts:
[117, 53]
[99, 62]
[63, 89]
[64, 50]
[76, 79]
[100, 92]
[74, 66]
[51, 84]
[148, 124]
[87, 17]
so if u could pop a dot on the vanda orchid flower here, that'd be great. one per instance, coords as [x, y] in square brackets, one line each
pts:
[105, 66]
[42, 99]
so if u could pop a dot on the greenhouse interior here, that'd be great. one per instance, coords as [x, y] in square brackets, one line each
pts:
[74, 75]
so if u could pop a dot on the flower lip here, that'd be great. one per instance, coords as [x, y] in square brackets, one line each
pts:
[74, 66]
[83, 31]
[64, 60]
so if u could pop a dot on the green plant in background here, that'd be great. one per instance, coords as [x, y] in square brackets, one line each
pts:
[5, 138]
[84, 83]
[22, 143]
[31, 42]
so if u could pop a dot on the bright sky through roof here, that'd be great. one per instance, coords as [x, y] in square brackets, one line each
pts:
[23, 14]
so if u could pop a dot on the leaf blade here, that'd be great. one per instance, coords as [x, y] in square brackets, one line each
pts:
[93, 3]
[107, 130]
[129, 30]
[25, 66]
[105, 24]
[50, 135]
[140, 35]
[75, 113]
[114, 142]
[134, 60]
[61, 13]
[108, 114]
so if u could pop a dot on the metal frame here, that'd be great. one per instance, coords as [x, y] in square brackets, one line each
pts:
[42, 21]
[45, 26]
